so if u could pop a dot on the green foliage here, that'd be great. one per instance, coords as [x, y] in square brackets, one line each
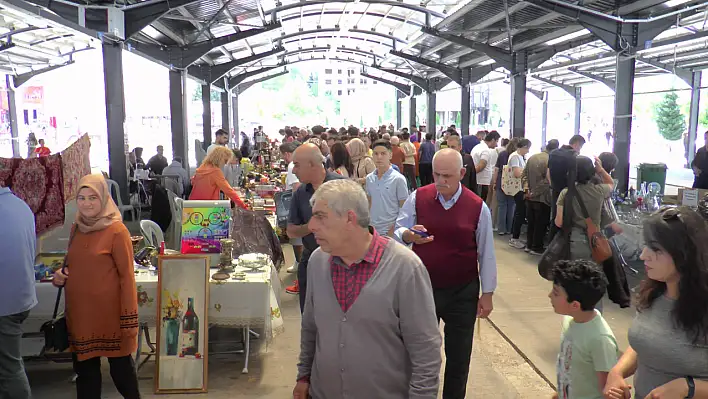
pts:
[669, 119]
[197, 95]
[389, 112]
[703, 118]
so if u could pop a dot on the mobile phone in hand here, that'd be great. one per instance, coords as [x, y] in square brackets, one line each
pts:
[420, 233]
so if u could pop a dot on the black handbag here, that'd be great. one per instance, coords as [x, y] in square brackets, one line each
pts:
[56, 332]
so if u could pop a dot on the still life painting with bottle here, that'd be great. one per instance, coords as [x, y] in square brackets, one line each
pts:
[182, 324]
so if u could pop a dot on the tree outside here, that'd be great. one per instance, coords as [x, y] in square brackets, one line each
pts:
[669, 119]
[197, 95]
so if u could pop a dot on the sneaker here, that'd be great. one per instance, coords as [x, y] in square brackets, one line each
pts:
[527, 249]
[503, 233]
[293, 289]
[293, 268]
[536, 253]
[516, 243]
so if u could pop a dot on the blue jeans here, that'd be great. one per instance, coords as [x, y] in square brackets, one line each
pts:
[505, 211]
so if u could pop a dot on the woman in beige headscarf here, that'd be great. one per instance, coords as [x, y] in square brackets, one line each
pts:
[363, 164]
[101, 297]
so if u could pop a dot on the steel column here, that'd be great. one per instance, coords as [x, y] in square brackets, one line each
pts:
[206, 114]
[12, 111]
[115, 117]
[226, 109]
[544, 120]
[578, 109]
[234, 108]
[412, 120]
[624, 93]
[465, 102]
[225, 120]
[399, 111]
[694, 114]
[432, 104]
[178, 118]
[518, 105]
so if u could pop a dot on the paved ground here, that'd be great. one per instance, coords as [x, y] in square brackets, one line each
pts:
[514, 351]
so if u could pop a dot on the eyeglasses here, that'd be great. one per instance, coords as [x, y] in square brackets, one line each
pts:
[670, 214]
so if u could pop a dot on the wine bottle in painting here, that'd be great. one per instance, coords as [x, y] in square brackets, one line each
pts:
[190, 330]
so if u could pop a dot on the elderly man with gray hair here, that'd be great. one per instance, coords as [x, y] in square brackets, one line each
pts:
[382, 341]
[450, 229]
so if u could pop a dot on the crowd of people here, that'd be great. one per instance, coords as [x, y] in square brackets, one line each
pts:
[359, 237]
[385, 257]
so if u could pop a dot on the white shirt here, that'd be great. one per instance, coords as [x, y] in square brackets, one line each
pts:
[291, 179]
[211, 147]
[483, 152]
[516, 160]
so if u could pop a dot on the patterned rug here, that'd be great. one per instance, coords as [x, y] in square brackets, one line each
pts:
[38, 182]
[76, 164]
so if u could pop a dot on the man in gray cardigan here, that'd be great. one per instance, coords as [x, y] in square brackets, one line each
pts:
[369, 328]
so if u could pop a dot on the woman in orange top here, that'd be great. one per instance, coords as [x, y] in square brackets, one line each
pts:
[101, 297]
[209, 179]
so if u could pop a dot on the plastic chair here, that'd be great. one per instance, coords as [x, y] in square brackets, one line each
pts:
[115, 193]
[152, 233]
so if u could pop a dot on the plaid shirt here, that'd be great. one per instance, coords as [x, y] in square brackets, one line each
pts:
[348, 281]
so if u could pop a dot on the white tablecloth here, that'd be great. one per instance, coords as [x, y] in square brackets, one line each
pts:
[253, 302]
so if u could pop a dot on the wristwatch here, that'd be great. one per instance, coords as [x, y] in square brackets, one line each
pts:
[691, 387]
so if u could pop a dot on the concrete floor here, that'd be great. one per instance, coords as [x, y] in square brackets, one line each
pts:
[514, 351]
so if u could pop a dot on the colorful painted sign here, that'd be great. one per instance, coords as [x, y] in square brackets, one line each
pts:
[203, 227]
[34, 95]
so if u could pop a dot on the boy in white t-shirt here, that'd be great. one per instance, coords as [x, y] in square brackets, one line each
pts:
[588, 348]
[485, 156]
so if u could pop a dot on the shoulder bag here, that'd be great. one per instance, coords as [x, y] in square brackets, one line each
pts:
[510, 184]
[559, 248]
[56, 332]
[600, 246]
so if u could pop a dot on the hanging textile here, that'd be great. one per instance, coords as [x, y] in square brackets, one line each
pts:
[76, 164]
[38, 182]
[252, 233]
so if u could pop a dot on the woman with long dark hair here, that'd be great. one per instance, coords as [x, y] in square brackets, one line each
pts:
[341, 161]
[668, 338]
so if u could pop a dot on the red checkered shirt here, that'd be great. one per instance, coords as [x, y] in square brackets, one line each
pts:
[348, 281]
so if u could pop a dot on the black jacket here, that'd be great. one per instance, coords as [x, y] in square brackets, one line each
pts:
[470, 179]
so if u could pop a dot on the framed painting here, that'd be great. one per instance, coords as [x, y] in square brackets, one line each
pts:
[182, 329]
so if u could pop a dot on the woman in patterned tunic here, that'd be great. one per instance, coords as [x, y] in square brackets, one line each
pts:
[101, 297]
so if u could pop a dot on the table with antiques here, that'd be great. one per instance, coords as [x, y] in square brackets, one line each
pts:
[248, 299]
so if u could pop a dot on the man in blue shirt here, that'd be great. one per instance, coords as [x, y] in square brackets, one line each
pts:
[470, 141]
[386, 188]
[17, 294]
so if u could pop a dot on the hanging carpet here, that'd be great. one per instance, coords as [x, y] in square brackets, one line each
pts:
[76, 164]
[38, 182]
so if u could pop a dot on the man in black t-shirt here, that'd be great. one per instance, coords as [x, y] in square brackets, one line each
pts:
[309, 168]
[158, 162]
[559, 162]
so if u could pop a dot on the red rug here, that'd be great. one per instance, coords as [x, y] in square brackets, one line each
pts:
[39, 182]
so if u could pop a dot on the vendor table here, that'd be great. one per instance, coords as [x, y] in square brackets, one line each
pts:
[249, 303]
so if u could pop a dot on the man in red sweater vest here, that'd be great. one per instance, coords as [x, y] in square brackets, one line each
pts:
[450, 229]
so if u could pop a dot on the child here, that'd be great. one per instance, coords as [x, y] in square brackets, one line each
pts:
[588, 346]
